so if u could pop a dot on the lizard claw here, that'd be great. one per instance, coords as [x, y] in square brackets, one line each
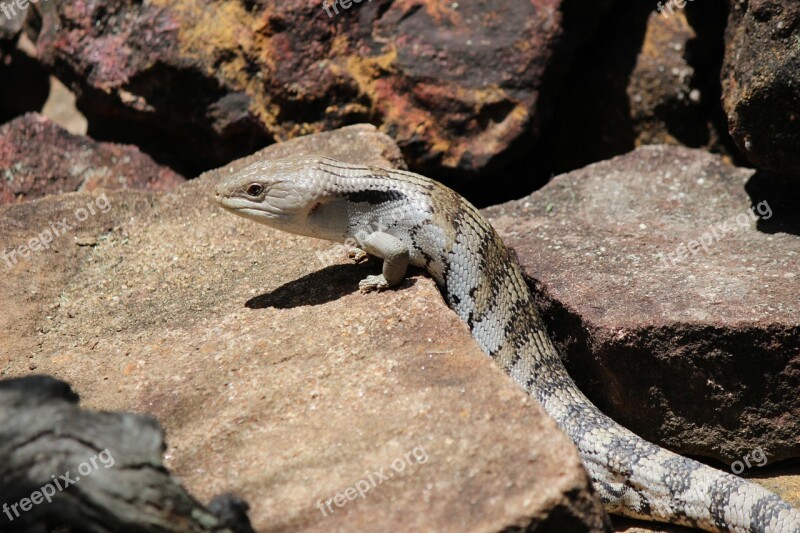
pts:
[373, 283]
[357, 255]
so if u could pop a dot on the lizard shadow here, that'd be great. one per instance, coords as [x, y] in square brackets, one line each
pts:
[320, 287]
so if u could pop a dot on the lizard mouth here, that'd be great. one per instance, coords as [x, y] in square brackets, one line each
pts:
[249, 210]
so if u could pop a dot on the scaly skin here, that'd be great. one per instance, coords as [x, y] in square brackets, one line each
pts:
[407, 219]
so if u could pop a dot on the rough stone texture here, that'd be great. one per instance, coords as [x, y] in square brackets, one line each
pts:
[646, 78]
[760, 82]
[38, 157]
[96, 471]
[273, 377]
[702, 355]
[460, 85]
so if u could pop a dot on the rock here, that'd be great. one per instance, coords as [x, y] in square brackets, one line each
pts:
[28, 87]
[784, 482]
[462, 86]
[760, 77]
[48, 444]
[60, 108]
[38, 157]
[677, 321]
[10, 25]
[646, 78]
[274, 377]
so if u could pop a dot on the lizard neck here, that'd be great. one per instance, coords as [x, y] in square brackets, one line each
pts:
[327, 220]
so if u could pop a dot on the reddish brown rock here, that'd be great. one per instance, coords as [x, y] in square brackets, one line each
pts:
[761, 82]
[38, 157]
[646, 78]
[462, 86]
[677, 307]
[273, 377]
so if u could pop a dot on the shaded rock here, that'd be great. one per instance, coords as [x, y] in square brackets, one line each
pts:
[28, 87]
[462, 86]
[38, 157]
[25, 83]
[62, 467]
[760, 82]
[274, 377]
[675, 303]
[646, 78]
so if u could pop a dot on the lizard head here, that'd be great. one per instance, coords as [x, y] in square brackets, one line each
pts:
[281, 193]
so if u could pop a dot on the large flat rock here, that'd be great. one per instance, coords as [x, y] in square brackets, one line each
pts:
[677, 305]
[273, 377]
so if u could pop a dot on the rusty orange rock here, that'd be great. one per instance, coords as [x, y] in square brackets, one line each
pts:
[459, 85]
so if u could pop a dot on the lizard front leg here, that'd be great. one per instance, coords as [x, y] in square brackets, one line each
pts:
[395, 261]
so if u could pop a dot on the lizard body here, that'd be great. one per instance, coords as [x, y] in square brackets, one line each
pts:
[408, 219]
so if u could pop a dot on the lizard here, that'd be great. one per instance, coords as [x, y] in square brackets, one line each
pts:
[409, 220]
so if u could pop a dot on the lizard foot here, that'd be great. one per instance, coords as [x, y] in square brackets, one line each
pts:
[357, 255]
[373, 283]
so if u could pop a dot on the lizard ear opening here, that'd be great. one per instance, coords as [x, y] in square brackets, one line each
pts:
[322, 203]
[328, 209]
[314, 207]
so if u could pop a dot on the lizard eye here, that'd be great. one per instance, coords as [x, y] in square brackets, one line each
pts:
[255, 189]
